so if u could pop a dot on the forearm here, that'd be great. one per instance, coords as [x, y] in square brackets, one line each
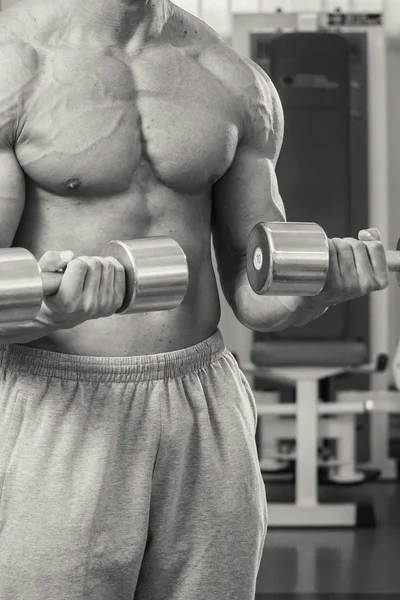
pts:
[268, 313]
[28, 332]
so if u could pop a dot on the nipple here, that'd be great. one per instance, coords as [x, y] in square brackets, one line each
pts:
[73, 184]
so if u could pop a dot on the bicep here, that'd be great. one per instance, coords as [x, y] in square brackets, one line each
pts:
[12, 195]
[247, 194]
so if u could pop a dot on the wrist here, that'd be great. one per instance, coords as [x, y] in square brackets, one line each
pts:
[307, 310]
[48, 319]
[21, 333]
[54, 321]
[274, 313]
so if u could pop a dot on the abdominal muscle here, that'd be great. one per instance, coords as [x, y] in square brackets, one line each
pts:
[85, 225]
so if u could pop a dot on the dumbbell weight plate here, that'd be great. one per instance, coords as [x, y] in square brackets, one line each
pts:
[21, 287]
[287, 259]
[156, 273]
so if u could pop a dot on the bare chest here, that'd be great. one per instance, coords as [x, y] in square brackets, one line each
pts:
[91, 123]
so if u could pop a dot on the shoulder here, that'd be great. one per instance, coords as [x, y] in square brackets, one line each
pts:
[264, 117]
[257, 99]
[253, 92]
[18, 68]
[260, 105]
[19, 63]
[18, 58]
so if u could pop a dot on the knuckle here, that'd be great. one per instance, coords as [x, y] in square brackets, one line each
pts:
[49, 259]
[94, 263]
[69, 308]
[112, 309]
[348, 288]
[108, 264]
[343, 246]
[374, 232]
[91, 261]
[50, 255]
[376, 246]
[377, 250]
[116, 264]
[383, 282]
[88, 307]
[358, 246]
[78, 264]
[121, 270]
[370, 284]
[368, 287]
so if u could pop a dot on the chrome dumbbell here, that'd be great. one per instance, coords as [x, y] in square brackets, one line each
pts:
[156, 278]
[292, 259]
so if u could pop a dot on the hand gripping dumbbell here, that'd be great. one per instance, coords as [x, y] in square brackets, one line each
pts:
[156, 279]
[292, 259]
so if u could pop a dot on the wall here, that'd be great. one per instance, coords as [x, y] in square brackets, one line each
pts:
[216, 12]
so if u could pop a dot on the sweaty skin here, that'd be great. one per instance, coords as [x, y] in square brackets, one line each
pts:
[119, 140]
[118, 143]
[123, 119]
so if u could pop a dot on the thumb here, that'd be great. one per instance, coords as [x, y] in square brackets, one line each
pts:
[369, 235]
[53, 261]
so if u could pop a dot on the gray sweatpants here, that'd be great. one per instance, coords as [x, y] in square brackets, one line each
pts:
[128, 478]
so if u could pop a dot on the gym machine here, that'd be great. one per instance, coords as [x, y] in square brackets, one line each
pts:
[349, 79]
[307, 420]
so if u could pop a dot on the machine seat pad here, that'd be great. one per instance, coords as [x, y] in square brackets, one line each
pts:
[283, 353]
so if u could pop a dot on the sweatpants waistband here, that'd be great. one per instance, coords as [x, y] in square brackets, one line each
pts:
[33, 361]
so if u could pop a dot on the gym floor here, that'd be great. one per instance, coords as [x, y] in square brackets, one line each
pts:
[356, 561]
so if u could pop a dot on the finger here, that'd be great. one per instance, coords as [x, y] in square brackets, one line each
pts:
[119, 281]
[53, 261]
[367, 235]
[73, 280]
[365, 281]
[374, 251]
[333, 279]
[92, 279]
[106, 291]
[346, 263]
[377, 258]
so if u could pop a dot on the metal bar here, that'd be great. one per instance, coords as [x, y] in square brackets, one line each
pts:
[331, 408]
[393, 260]
[307, 443]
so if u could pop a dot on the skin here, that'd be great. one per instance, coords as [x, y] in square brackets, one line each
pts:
[123, 119]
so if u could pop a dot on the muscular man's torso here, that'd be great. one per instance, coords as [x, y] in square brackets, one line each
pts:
[117, 144]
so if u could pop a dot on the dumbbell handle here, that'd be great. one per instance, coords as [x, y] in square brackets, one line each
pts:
[393, 260]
